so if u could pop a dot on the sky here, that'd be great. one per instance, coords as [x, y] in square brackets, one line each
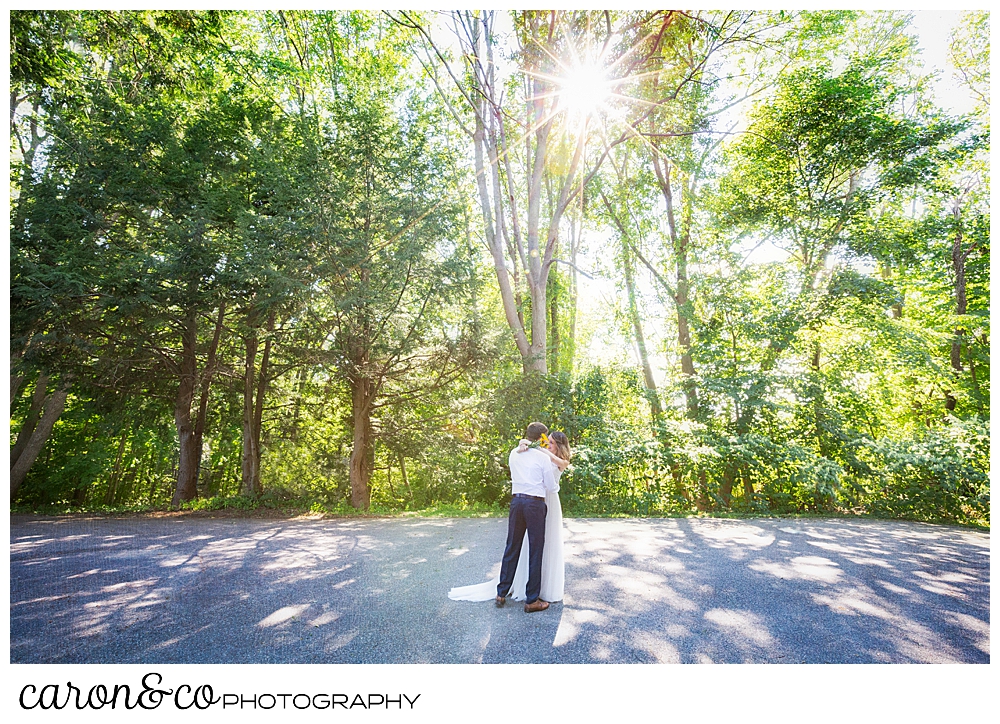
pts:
[933, 27]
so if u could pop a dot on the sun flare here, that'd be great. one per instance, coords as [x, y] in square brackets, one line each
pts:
[584, 90]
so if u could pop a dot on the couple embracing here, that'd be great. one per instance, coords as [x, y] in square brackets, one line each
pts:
[534, 572]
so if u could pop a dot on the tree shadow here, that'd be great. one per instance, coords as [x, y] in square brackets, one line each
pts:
[759, 591]
[248, 591]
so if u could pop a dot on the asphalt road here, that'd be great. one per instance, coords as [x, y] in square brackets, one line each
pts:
[196, 590]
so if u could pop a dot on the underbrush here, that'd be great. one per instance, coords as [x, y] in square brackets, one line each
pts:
[267, 506]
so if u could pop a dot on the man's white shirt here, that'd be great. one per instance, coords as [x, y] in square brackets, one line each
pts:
[531, 472]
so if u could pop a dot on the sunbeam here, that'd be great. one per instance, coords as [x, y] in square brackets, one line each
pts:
[583, 90]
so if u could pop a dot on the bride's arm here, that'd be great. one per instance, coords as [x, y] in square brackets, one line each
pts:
[558, 461]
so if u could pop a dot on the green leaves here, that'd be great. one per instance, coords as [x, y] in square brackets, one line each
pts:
[39, 55]
[295, 178]
[823, 151]
[867, 290]
[940, 475]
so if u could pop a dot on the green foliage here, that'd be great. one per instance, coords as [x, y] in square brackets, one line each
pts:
[296, 175]
[38, 52]
[236, 502]
[940, 475]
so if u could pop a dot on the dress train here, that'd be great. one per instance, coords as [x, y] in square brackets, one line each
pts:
[553, 565]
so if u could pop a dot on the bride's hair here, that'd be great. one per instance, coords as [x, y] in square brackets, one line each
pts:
[561, 444]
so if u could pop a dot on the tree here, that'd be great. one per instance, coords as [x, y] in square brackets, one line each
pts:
[389, 265]
[815, 159]
[247, 258]
[632, 220]
[969, 52]
[39, 59]
[144, 197]
[524, 197]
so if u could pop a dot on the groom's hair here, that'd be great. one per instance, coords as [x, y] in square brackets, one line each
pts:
[535, 431]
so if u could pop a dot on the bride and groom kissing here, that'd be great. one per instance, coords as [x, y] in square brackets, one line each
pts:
[535, 572]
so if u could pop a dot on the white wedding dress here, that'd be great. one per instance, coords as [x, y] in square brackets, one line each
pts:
[553, 567]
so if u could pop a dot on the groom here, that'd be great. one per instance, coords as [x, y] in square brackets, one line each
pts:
[531, 476]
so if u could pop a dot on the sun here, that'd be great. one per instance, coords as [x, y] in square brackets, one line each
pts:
[583, 90]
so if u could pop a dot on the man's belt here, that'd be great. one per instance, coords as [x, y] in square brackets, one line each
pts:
[525, 495]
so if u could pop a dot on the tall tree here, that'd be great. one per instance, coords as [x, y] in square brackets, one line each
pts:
[390, 268]
[531, 134]
[816, 157]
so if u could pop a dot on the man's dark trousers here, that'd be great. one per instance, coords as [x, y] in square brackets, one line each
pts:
[527, 513]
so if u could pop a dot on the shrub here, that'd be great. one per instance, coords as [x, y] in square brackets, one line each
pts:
[941, 475]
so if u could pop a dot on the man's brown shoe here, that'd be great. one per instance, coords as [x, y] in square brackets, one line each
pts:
[536, 605]
[500, 601]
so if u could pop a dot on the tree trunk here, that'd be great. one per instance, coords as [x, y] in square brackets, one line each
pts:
[684, 336]
[54, 406]
[206, 385]
[488, 137]
[362, 455]
[253, 413]
[537, 270]
[975, 381]
[493, 237]
[188, 452]
[640, 339]
[539, 330]
[190, 432]
[958, 257]
[818, 411]
[682, 489]
[726, 491]
[554, 296]
[262, 382]
[116, 471]
[402, 473]
[31, 420]
[576, 233]
[747, 484]
[250, 460]
[152, 484]
[128, 481]
[680, 241]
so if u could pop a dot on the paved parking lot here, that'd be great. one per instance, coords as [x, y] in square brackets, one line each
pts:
[198, 590]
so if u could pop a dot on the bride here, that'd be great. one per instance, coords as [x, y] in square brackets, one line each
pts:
[553, 568]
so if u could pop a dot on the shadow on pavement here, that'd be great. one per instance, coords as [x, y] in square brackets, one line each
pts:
[184, 590]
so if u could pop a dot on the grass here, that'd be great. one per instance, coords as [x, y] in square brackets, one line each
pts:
[268, 507]
[234, 506]
[459, 510]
